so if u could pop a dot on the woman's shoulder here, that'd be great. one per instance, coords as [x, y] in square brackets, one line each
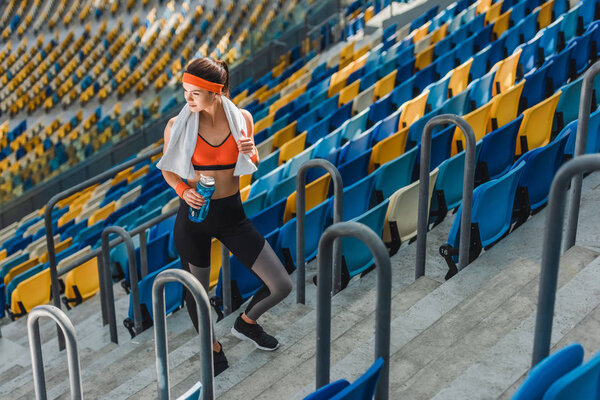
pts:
[246, 114]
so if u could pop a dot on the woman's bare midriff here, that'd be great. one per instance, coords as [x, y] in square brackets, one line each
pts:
[226, 184]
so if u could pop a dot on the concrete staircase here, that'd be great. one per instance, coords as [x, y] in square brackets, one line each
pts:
[468, 337]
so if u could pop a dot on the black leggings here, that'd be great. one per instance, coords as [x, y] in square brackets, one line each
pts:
[227, 222]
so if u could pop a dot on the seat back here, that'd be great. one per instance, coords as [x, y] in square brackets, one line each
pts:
[360, 192]
[364, 387]
[403, 207]
[551, 368]
[480, 91]
[388, 149]
[385, 85]
[567, 108]
[498, 151]
[396, 173]
[355, 126]
[479, 120]
[492, 207]
[31, 292]
[536, 127]
[536, 85]
[413, 110]
[270, 218]
[505, 106]
[173, 291]
[580, 383]
[438, 93]
[356, 254]
[254, 204]
[84, 278]
[506, 74]
[292, 147]
[459, 78]
[316, 193]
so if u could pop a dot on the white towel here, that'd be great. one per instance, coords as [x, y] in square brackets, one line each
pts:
[177, 157]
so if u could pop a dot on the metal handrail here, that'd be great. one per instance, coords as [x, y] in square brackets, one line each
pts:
[383, 307]
[106, 290]
[48, 220]
[338, 189]
[226, 281]
[160, 330]
[551, 250]
[585, 104]
[467, 196]
[35, 347]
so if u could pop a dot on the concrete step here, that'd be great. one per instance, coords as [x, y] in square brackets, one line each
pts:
[457, 340]
[504, 363]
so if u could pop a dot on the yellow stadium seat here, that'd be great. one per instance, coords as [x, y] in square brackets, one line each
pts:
[501, 24]
[483, 6]
[536, 126]
[316, 193]
[439, 33]
[385, 85]
[506, 73]
[245, 180]
[284, 135]
[346, 54]
[493, 12]
[388, 149]
[264, 123]
[424, 58]
[348, 93]
[19, 269]
[421, 32]
[459, 80]
[122, 175]
[479, 120]
[82, 282]
[244, 192]
[2, 254]
[30, 293]
[412, 110]
[369, 12]
[102, 213]
[292, 147]
[58, 248]
[69, 215]
[505, 106]
[215, 262]
[335, 86]
[137, 174]
[545, 14]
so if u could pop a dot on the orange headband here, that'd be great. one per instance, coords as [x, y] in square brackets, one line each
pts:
[202, 83]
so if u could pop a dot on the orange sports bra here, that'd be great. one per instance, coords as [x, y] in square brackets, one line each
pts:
[209, 157]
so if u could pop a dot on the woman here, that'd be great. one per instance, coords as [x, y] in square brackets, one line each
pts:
[215, 155]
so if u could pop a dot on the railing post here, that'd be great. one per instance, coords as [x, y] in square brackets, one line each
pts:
[338, 189]
[35, 347]
[226, 282]
[467, 195]
[383, 307]
[551, 250]
[583, 121]
[160, 330]
[48, 221]
[133, 280]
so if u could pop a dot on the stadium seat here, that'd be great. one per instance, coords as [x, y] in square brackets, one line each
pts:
[355, 169]
[403, 91]
[580, 383]
[316, 193]
[355, 147]
[549, 40]
[388, 149]
[479, 120]
[266, 182]
[29, 293]
[457, 104]
[387, 127]
[445, 62]
[291, 167]
[547, 371]
[281, 190]
[505, 107]
[81, 283]
[558, 72]
[348, 93]
[459, 78]
[536, 86]
[413, 110]
[480, 90]
[254, 204]
[292, 147]
[537, 125]
[379, 109]
[355, 126]
[567, 109]
[314, 224]
[384, 86]
[328, 391]
[401, 217]
[490, 219]
[580, 53]
[541, 165]
[506, 74]
[497, 151]
[395, 174]
[438, 92]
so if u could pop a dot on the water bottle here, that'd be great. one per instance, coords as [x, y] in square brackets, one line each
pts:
[205, 187]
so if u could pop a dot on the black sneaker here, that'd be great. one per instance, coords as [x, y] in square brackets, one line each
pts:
[220, 363]
[255, 333]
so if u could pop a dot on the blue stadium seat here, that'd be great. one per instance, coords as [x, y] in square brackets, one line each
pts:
[163, 227]
[558, 73]
[317, 131]
[529, 58]
[403, 92]
[440, 147]
[355, 126]
[541, 165]
[327, 145]
[355, 169]
[446, 61]
[495, 51]
[266, 182]
[580, 383]
[479, 66]
[269, 219]
[340, 116]
[550, 369]
[465, 49]
[535, 88]
[395, 174]
[358, 196]
[293, 165]
[329, 106]
[8, 265]
[380, 109]
[580, 55]
[567, 109]
[328, 391]
[281, 190]
[423, 78]
[528, 28]
[549, 41]
[314, 223]
[356, 257]
[173, 297]
[415, 131]
[480, 91]
[497, 151]
[568, 28]
[438, 93]
[157, 256]
[387, 128]
[490, 219]
[307, 120]
[254, 204]
[457, 105]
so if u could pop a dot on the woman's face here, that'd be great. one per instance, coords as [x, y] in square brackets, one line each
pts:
[197, 98]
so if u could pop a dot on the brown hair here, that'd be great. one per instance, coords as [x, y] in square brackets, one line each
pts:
[212, 70]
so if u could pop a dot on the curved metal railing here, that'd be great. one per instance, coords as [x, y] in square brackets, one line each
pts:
[35, 347]
[383, 307]
[551, 250]
[338, 189]
[467, 196]
[160, 330]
